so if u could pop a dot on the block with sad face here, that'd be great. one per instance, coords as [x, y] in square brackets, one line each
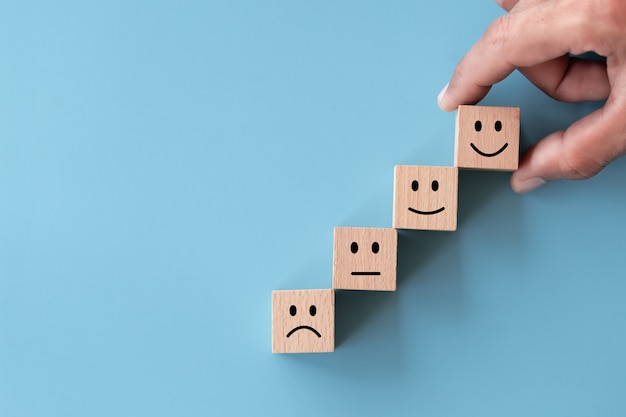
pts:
[425, 197]
[303, 321]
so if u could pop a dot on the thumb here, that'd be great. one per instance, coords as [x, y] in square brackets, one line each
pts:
[579, 152]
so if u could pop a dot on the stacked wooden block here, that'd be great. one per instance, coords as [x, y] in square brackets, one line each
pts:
[424, 198]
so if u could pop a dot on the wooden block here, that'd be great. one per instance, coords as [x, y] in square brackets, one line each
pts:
[365, 259]
[303, 321]
[487, 138]
[425, 197]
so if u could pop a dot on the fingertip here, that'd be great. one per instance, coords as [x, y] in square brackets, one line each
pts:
[525, 185]
[529, 175]
[443, 100]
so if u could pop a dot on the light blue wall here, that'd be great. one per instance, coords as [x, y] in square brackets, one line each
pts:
[165, 165]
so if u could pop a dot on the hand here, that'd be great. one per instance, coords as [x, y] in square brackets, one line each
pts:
[536, 37]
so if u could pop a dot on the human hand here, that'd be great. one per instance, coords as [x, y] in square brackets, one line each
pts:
[536, 37]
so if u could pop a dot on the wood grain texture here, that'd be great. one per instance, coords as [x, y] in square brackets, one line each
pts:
[365, 258]
[303, 321]
[487, 138]
[425, 197]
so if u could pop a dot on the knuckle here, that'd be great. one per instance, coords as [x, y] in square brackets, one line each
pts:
[498, 33]
[613, 9]
[602, 22]
[614, 16]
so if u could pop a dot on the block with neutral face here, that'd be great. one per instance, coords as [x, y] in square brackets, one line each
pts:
[425, 197]
[303, 321]
[487, 138]
[365, 258]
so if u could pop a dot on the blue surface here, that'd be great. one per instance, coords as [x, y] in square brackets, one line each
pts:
[165, 165]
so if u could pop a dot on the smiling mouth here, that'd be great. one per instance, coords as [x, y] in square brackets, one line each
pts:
[489, 155]
[365, 273]
[427, 213]
[302, 328]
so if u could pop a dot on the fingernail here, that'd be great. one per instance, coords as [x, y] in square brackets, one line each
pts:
[440, 97]
[529, 184]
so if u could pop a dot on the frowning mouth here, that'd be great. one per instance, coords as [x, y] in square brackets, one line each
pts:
[489, 155]
[427, 213]
[302, 328]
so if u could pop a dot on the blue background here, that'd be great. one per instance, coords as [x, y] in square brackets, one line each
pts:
[165, 165]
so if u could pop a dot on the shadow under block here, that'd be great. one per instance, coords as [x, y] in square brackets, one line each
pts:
[425, 197]
[487, 138]
[365, 258]
[303, 321]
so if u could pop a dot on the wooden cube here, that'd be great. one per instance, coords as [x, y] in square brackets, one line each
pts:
[303, 321]
[487, 138]
[365, 258]
[425, 197]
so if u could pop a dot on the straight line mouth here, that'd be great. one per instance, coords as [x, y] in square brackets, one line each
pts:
[365, 273]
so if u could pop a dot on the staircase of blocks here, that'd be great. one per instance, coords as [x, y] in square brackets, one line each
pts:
[424, 198]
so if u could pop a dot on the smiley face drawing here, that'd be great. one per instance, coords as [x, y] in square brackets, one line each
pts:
[487, 138]
[425, 197]
[365, 258]
[303, 321]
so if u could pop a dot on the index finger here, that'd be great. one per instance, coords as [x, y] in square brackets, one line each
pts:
[529, 37]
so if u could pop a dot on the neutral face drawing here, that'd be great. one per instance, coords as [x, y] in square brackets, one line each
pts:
[365, 258]
[425, 197]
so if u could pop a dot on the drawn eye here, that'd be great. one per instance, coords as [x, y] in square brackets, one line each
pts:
[313, 310]
[415, 185]
[498, 126]
[478, 125]
[293, 310]
[375, 247]
[354, 247]
[435, 185]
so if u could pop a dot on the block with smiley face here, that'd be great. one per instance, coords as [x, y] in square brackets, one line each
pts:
[425, 197]
[487, 138]
[303, 321]
[365, 258]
